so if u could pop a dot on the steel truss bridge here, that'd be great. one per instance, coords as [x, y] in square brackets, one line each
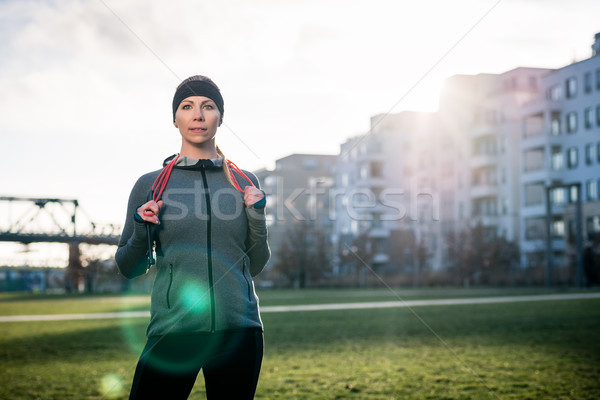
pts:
[52, 220]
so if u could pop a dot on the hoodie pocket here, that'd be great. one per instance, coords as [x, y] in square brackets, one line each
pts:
[169, 287]
[245, 272]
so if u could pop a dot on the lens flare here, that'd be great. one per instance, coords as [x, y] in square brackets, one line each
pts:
[188, 298]
[111, 386]
[195, 297]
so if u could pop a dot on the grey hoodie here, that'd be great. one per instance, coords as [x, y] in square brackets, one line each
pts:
[209, 245]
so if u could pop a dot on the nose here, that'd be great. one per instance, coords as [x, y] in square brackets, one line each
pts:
[198, 114]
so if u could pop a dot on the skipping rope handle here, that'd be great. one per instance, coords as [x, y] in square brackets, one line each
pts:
[158, 187]
[151, 260]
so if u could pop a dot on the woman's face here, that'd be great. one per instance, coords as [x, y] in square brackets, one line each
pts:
[197, 118]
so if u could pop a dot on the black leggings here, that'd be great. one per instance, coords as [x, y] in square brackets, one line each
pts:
[169, 365]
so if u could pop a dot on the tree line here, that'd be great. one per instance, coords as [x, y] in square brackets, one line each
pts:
[471, 256]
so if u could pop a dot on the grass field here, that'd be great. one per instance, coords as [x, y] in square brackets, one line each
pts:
[526, 350]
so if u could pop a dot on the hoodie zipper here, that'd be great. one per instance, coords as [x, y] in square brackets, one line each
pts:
[209, 250]
[170, 283]
[247, 281]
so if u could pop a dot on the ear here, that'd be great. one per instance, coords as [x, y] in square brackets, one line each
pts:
[175, 124]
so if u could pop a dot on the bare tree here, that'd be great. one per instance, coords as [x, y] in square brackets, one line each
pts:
[475, 255]
[304, 254]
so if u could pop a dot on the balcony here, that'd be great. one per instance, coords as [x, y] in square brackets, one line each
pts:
[480, 130]
[484, 191]
[534, 142]
[484, 160]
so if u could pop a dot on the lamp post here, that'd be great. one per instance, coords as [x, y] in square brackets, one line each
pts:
[578, 233]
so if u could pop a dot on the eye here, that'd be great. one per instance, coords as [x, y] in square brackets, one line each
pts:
[186, 107]
[209, 107]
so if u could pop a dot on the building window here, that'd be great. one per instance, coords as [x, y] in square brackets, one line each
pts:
[573, 195]
[557, 196]
[587, 82]
[558, 228]
[345, 179]
[555, 92]
[476, 179]
[591, 189]
[589, 154]
[376, 169]
[593, 227]
[598, 79]
[555, 123]
[504, 205]
[354, 227]
[534, 228]
[364, 172]
[588, 116]
[485, 207]
[491, 176]
[485, 146]
[572, 122]
[534, 194]
[572, 160]
[571, 87]
[533, 126]
[598, 152]
[598, 115]
[557, 160]
[534, 159]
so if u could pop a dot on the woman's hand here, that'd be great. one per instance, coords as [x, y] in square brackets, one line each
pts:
[252, 195]
[149, 211]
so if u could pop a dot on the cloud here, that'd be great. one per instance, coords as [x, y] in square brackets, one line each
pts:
[87, 84]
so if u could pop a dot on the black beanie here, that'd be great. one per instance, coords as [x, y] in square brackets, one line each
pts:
[198, 88]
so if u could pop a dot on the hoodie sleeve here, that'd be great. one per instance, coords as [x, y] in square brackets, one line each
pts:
[131, 255]
[256, 239]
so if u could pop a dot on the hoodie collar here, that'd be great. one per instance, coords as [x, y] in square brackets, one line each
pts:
[194, 163]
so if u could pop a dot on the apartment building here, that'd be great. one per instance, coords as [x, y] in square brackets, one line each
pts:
[560, 152]
[298, 190]
[488, 146]
[432, 173]
[379, 193]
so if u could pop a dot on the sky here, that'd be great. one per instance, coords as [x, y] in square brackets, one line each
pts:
[86, 85]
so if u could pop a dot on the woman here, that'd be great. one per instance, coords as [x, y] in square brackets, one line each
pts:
[206, 219]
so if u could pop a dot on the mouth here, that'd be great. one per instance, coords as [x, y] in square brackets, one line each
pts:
[198, 129]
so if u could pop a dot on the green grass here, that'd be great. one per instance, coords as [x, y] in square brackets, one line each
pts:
[529, 350]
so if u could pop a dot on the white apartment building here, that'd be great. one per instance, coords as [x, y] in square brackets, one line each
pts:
[431, 173]
[490, 165]
[560, 151]
[378, 190]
